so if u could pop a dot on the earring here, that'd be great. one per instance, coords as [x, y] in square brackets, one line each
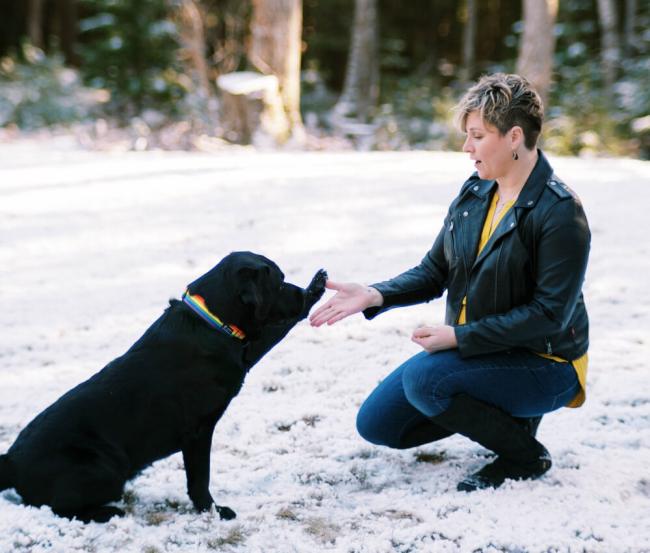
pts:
[515, 155]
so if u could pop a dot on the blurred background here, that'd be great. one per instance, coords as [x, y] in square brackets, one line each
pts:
[317, 74]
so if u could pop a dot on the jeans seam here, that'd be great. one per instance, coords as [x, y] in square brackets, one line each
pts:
[442, 380]
[564, 392]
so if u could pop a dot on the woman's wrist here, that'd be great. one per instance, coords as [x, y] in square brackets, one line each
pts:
[375, 298]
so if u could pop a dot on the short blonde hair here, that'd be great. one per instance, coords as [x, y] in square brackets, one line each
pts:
[504, 101]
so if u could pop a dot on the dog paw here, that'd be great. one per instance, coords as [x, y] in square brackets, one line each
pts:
[225, 513]
[316, 287]
[103, 513]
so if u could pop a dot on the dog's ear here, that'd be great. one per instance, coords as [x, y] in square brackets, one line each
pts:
[252, 292]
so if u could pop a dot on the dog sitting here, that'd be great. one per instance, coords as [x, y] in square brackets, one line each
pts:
[164, 395]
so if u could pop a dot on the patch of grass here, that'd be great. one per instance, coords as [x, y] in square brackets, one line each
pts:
[156, 518]
[322, 530]
[286, 513]
[175, 505]
[360, 475]
[129, 498]
[434, 458]
[311, 420]
[235, 536]
[367, 454]
[396, 514]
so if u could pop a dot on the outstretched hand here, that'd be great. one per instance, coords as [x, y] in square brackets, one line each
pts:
[350, 298]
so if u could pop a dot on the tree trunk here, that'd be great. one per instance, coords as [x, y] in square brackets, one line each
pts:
[535, 61]
[361, 85]
[67, 12]
[630, 20]
[252, 109]
[469, 40]
[35, 23]
[610, 45]
[275, 49]
[228, 33]
[193, 39]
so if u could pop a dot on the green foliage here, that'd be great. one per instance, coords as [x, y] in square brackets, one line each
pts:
[316, 99]
[578, 119]
[130, 55]
[38, 91]
[129, 48]
[416, 113]
[583, 116]
[326, 32]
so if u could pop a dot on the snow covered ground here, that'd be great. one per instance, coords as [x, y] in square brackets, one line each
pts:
[92, 246]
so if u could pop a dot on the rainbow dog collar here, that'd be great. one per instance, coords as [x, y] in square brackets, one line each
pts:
[197, 304]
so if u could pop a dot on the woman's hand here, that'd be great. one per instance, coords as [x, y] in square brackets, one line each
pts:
[350, 298]
[435, 338]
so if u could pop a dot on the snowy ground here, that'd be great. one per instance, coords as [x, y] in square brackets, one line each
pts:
[92, 245]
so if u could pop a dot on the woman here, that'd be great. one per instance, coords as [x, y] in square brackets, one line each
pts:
[512, 255]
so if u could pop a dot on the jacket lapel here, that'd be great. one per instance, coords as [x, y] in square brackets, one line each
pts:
[505, 226]
[470, 217]
[527, 199]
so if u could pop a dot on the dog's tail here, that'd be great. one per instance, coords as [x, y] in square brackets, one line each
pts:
[6, 473]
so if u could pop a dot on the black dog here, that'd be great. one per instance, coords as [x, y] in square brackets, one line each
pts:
[164, 395]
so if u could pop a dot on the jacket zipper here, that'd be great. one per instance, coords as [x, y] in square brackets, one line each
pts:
[496, 279]
[464, 254]
[549, 349]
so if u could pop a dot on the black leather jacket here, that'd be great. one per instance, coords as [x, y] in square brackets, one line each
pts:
[525, 288]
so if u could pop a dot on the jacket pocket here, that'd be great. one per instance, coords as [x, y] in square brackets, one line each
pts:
[451, 255]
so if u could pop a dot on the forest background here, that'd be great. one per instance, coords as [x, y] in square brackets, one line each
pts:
[318, 74]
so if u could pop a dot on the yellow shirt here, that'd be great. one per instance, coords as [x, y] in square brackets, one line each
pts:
[580, 364]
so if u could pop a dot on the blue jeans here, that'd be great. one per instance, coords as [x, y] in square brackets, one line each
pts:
[397, 412]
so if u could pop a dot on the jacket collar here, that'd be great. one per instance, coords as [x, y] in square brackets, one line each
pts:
[536, 182]
[482, 189]
[531, 191]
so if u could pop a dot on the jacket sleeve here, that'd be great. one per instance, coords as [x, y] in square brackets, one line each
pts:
[422, 283]
[561, 262]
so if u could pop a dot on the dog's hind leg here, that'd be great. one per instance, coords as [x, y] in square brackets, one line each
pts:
[6, 473]
[93, 514]
[83, 494]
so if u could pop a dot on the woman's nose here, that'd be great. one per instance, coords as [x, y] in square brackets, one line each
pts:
[467, 145]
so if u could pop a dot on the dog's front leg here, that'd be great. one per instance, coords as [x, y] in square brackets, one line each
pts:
[196, 456]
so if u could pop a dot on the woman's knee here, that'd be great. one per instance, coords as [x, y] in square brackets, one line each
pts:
[373, 429]
[425, 384]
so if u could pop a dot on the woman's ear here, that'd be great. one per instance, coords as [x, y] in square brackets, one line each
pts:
[516, 137]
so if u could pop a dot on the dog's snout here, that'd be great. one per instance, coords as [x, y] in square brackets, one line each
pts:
[293, 294]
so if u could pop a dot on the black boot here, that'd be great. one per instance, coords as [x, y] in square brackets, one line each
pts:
[520, 455]
[423, 433]
[530, 424]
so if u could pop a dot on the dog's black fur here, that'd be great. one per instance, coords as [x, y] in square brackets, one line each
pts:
[164, 395]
